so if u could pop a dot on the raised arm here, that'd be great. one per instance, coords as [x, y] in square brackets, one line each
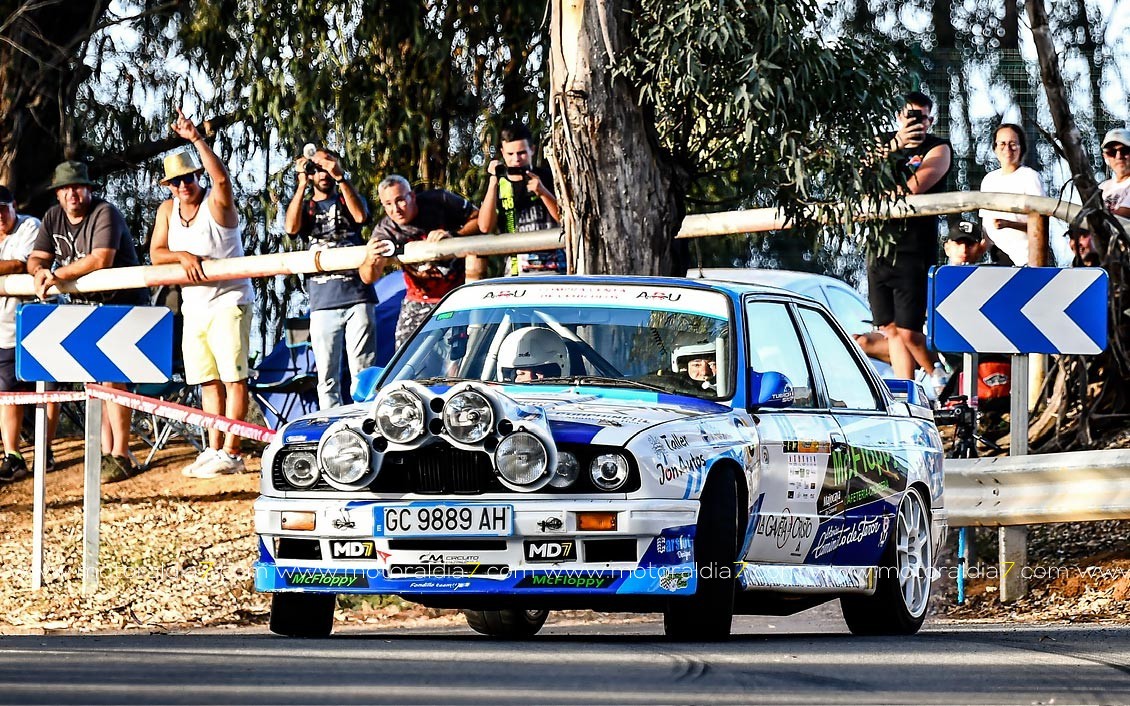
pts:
[222, 201]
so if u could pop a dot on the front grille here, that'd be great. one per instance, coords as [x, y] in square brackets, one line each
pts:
[439, 468]
[436, 469]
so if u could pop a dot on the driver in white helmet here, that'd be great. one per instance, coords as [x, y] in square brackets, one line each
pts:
[530, 354]
[698, 361]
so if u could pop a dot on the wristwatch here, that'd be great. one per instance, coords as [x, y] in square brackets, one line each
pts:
[344, 177]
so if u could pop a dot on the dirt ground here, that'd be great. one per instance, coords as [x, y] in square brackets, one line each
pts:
[178, 552]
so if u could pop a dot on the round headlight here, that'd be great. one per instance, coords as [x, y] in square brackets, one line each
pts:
[300, 469]
[468, 417]
[522, 459]
[400, 416]
[609, 471]
[344, 457]
[568, 470]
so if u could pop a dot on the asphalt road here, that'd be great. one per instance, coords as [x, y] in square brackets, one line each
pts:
[806, 659]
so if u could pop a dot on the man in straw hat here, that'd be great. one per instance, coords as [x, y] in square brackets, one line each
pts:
[199, 224]
[83, 234]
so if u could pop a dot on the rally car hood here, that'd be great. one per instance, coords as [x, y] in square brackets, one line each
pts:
[578, 415]
[583, 415]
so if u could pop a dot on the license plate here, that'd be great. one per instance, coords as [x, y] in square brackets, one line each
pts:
[444, 521]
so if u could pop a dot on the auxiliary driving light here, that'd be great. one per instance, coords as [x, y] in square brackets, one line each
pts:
[468, 417]
[400, 416]
[344, 456]
[522, 461]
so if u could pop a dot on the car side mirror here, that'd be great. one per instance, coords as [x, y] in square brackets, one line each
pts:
[365, 386]
[770, 390]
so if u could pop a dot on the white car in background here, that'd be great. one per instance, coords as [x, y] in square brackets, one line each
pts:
[850, 308]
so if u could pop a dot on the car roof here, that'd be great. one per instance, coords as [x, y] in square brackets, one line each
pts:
[734, 288]
[785, 279]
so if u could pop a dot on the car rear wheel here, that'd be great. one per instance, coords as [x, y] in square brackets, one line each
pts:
[709, 614]
[303, 614]
[509, 623]
[902, 591]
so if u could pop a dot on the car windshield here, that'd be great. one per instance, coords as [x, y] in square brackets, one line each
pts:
[663, 338]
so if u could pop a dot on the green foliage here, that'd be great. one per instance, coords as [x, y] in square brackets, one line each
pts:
[757, 109]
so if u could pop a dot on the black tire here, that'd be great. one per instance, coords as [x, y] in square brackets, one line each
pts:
[303, 614]
[902, 591]
[509, 623]
[709, 614]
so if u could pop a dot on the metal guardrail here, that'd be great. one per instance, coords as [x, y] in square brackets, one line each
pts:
[1079, 486]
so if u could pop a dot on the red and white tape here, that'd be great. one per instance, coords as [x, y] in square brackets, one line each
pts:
[10, 398]
[149, 405]
[180, 413]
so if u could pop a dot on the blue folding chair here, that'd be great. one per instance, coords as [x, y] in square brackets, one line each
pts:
[284, 382]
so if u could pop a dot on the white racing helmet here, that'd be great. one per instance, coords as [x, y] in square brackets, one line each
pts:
[537, 349]
[682, 355]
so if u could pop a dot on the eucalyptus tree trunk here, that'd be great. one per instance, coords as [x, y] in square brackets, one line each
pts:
[40, 71]
[1059, 103]
[620, 205]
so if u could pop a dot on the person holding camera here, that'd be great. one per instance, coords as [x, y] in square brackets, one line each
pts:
[897, 281]
[432, 215]
[342, 317]
[520, 199]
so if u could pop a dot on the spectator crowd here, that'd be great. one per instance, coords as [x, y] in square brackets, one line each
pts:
[199, 221]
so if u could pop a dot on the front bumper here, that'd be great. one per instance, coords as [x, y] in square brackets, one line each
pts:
[649, 553]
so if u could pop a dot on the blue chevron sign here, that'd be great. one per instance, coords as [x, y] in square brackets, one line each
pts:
[71, 343]
[1018, 309]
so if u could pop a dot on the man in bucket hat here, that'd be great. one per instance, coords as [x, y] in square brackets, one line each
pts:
[80, 235]
[202, 224]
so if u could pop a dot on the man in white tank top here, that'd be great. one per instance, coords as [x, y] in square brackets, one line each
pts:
[199, 224]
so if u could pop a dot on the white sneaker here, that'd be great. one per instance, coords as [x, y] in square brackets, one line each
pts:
[205, 456]
[221, 464]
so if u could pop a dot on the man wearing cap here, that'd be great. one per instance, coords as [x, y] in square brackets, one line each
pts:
[965, 244]
[199, 224]
[80, 235]
[17, 236]
[1116, 154]
[342, 315]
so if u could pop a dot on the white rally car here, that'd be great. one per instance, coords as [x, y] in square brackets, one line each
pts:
[613, 443]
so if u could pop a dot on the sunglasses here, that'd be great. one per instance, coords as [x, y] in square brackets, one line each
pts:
[1117, 151]
[183, 179]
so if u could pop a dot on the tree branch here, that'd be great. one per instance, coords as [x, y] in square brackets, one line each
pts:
[130, 157]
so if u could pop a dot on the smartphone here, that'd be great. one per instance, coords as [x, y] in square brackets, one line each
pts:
[914, 116]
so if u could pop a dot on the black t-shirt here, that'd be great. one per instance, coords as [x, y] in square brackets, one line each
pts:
[103, 227]
[919, 235]
[328, 224]
[519, 211]
[437, 210]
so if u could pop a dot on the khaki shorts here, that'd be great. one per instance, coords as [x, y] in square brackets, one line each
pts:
[215, 345]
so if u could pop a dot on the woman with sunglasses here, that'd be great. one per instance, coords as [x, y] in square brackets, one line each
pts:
[1009, 231]
[1116, 154]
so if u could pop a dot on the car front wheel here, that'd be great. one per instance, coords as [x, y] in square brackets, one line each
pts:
[303, 614]
[902, 591]
[509, 623]
[709, 613]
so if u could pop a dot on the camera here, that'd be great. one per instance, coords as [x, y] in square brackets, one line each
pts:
[310, 168]
[501, 170]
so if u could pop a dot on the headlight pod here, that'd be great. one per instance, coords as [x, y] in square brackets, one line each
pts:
[609, 471]
[400, 416]
[523, 462]
[343, 456]
[300, 469]
[468, 417]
